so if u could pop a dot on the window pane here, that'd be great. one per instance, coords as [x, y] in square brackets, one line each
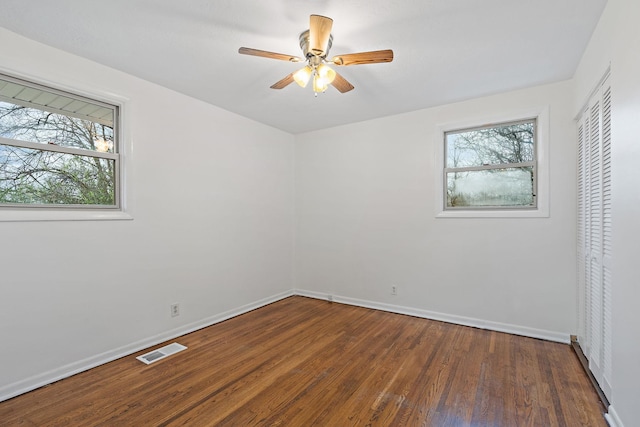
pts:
[30, 176]
[34, 125]
[491, 187]
[509, 143]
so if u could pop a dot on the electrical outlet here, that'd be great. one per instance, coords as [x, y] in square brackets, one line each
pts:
[394, 290]
[175, 310]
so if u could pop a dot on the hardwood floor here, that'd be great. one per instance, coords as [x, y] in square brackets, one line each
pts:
[305, 362]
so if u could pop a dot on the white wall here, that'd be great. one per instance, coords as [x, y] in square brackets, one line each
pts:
[615, 44]
[365, 209]
[212, 230]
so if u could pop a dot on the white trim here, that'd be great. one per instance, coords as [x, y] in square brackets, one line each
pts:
[555, 336]
[542, 168]
[612, 418]
[44, 214]
[37, 381]
[125, 151]
[593, 91]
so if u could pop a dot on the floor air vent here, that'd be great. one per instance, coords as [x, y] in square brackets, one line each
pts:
[161, 353]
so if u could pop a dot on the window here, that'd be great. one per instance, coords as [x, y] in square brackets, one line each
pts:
[57, 150]
[491, 167]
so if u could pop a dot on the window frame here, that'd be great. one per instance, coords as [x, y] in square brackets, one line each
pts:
[121, 210]
[540, 163]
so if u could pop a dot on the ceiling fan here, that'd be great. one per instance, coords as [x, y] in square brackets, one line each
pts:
[315, 43]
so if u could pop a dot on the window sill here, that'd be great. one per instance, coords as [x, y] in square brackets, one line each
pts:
[492, 213]
[28, 215]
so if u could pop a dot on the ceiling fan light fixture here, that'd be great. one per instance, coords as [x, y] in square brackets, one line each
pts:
[302, 76]
[320, 84]
[325, 72]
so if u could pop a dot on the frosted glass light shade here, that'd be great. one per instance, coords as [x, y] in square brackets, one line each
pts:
[326, 73]
[302, 76]
[319, 84]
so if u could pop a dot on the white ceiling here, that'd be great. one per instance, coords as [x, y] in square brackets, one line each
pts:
[445, 50]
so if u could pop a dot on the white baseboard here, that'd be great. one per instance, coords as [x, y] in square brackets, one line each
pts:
[612, 418]
[37, 381]
[34, 382]
[449, 318]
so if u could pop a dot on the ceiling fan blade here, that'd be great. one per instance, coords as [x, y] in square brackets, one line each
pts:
[266, 54]
[341, 84]
[283, 83]
[372, 57]
[319, 33]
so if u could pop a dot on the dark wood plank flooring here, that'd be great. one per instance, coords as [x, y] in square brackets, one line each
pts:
[306, 362]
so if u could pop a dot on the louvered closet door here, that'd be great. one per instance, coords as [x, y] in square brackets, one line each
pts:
[594, 235]
[607, 307]
[594, 211]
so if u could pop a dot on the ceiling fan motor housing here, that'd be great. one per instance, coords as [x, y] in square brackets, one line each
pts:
[304, 45]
